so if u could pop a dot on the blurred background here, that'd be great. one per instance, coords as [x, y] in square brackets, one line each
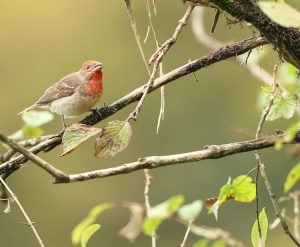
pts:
[41, 41]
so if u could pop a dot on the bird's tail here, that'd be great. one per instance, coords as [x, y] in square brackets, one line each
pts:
[28, 109]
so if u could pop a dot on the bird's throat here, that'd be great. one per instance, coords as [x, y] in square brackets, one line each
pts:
[94, 86]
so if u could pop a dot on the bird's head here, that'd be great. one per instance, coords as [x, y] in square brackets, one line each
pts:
[91, 69]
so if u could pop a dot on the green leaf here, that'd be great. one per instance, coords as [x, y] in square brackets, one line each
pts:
[292, 177]
[278, 144]
[190, 211]
[167, 208]
[88, 232]
[27, 132]
[287, 77]
[243, 189]
[31, 132]
[201, 243]
[161, 212]
[263, 221]
[224, 193]
[283, 107]
[292, 131]
[89, 220]
[283, 14]
[37, 118]
[151, 224]
[75, 135]
[218, 243]
[114, 138]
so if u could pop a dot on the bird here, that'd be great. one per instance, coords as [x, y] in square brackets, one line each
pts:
[74, 94]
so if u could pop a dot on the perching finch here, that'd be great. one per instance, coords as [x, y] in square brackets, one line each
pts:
[75, 93]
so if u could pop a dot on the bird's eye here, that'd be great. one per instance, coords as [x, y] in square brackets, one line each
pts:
[88, 66]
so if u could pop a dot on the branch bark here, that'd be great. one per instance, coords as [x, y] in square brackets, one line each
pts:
[285, 40]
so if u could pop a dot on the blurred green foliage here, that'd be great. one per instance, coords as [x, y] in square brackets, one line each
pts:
[43, 41]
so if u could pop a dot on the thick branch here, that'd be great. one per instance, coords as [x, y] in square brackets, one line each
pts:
[209, 152]
[223, 53]
[285, 40]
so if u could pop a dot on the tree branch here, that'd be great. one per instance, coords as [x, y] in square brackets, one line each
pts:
[152, 162]
[285, 40]
[215, 56]
[34, 158]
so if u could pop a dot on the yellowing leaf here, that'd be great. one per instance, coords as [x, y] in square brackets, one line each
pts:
[283, 14]
[224, 193]
[243, 189]
[114, 138]
[76, 134]
[88, 232]
[201, 243]
[218, 243]
[151, 224]
[263, 222]
[292, 177]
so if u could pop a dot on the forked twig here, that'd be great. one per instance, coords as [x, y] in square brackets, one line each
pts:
[157, 58]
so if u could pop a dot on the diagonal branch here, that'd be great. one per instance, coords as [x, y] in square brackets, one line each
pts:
[34, 158]
[215, 56]
[285, 40]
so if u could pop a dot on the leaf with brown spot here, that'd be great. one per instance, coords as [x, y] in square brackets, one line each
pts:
[76, 134]
[114, 138]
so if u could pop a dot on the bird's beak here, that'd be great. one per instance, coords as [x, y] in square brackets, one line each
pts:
[97, 67]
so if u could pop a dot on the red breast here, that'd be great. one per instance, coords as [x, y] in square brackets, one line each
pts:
[94, 85]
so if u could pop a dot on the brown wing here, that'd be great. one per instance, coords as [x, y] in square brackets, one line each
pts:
[65, 87]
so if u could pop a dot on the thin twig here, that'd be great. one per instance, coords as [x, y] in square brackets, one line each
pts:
[261, 166]
[295, 198]
[135, 31]
[157, 58]
[212, 233]
[162, 89]
[148, 179]
[29, 222]
[186, 233]
[158, 55]
[133, 115]
[257, 154]
[218, 12]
